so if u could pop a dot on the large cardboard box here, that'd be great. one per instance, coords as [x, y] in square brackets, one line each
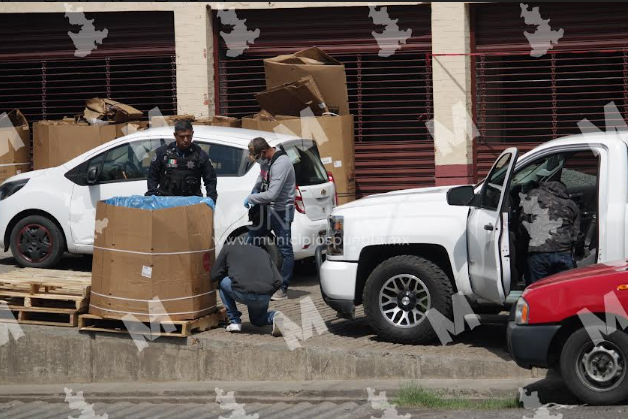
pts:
[334, 139]
[14, 145]
[327, 72]
[292, 98]
[142, 254]
[57, 142]
[110, 110]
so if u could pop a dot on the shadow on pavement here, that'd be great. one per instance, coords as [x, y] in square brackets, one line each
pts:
[552, 389]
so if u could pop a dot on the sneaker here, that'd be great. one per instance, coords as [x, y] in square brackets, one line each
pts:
[277, 323]
[279, 295]
[234, 327]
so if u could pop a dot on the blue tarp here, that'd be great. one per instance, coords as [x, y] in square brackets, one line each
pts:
[158, 202]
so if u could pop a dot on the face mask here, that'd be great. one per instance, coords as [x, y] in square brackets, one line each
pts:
[261, 160]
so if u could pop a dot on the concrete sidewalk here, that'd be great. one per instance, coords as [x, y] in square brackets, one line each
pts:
[348, 350]
[334, 391]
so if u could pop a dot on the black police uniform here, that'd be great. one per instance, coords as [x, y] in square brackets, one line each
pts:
[178, 173]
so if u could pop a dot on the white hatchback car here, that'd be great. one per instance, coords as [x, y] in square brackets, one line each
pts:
[46, 212]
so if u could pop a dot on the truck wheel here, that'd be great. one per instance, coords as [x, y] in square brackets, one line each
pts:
[398, 294]
[37, 242]
[271, 247]
[596, 374]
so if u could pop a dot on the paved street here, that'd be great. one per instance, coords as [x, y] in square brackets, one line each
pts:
[38, 410]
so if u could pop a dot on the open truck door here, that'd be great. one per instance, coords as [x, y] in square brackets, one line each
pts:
[488, 238]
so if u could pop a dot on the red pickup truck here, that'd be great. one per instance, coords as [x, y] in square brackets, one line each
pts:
[576, 322]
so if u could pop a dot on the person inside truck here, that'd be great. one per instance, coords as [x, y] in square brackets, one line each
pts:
[552, 223]
[578, 173]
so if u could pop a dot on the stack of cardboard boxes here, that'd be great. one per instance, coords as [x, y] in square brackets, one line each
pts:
[14, 145]
[103, 120]
[307, 96]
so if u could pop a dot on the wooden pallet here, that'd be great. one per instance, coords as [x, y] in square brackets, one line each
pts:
[43, 316]
[91, 323]
[45, 296]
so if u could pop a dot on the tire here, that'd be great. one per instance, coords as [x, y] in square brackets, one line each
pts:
[582, 384]
[271, 248]
[417, 329]
[37, 242]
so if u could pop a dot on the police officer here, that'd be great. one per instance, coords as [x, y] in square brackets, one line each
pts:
[177, 168]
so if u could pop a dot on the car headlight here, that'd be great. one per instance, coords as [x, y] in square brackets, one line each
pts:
[522, 312]
[9, 188]
[335, 235]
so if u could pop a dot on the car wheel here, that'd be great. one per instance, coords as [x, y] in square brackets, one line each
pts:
[270, 247]
[37, 242]
[596, 374]
[398, 294]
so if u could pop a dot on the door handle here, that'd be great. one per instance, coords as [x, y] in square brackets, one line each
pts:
[489, 227]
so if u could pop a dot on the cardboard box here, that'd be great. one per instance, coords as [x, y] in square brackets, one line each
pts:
[293, 98]
[14, 145]
[169, 120]
[219, 121]
[142, 254]
[334, 139]
[57, 142]
[12, 169]
[110, 110]
[327, 72]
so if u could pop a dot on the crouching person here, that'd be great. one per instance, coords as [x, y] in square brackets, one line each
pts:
[247, 276]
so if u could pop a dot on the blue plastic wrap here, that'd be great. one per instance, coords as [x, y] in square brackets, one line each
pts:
[158, 202]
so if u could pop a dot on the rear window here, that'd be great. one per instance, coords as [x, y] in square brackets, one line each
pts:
[308, 168]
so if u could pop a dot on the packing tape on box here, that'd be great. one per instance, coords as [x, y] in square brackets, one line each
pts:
[155, 315]
[147, 301]
[153, 253]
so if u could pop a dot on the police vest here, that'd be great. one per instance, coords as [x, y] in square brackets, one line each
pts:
[181, 176]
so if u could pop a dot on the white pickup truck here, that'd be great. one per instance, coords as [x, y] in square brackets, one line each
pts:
[404, 252]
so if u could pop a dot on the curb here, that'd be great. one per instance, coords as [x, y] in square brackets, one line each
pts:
[279, 392]
[46, 355]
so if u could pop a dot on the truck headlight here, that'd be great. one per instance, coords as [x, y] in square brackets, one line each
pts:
[522, 312]
[9, 188]
[335, 235]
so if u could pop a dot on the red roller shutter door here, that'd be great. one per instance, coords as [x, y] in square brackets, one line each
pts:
[523, 100]
[40, 75]
[390, 98]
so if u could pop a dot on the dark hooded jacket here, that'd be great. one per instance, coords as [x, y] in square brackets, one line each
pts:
[551, 218]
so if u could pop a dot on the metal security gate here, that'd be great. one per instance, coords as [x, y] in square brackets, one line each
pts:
[390, 97]
[40, 74]
[523, 100]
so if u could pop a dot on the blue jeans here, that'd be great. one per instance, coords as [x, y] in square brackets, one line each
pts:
[281, 225]
[541, 265]
[256, 303]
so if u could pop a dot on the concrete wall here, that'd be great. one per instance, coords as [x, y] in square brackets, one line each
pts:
[453, 119]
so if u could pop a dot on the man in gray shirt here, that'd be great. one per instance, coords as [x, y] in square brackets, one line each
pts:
[275, 188]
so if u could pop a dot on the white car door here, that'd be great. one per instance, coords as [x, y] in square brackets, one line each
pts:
[487, 232]
[122, 171]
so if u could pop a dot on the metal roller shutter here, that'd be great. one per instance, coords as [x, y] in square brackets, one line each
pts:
[390, 98]
[523, 100]
[40, 75]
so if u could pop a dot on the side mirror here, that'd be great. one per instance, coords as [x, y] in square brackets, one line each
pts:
[92, 175]
[461, 196]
